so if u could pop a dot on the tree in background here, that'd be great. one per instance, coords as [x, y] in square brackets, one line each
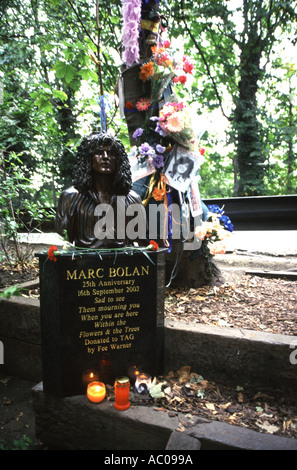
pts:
[234, 43]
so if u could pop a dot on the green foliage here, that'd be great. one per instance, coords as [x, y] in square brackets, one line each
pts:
[12, 290]
[49, 76]
[15, 206]
[17, 444]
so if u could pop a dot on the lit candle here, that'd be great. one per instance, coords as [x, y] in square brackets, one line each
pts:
[122, 388]
[96, 391]
[89, 376]
[143, 383]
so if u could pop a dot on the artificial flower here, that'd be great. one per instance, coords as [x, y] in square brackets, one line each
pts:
[129, 106]
[131, 12]
[158, 161]
[158, 194]
[219, 213]
[146, 149]
[153, 245]
[217, 248]
[227, 223]
[160, 148]
[147, 71]
[137, 133]
[51, 253]
[143, 104]
[157, 49]
[188, 66]
[174, 123]
[182, 79]
[202, 150]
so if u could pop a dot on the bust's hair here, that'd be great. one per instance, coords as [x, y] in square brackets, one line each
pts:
[89, 146]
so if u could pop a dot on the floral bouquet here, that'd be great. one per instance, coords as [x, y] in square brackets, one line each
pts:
[214, 232]
[175, 121]
[162, 68]
[148, 158]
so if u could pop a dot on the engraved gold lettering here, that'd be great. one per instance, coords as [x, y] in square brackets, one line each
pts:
[71, 276]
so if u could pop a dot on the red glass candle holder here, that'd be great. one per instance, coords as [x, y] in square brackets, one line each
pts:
[122, 389]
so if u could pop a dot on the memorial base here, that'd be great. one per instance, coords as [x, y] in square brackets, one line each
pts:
[74, 423]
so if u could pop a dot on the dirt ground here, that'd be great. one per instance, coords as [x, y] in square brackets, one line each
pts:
[244, 301]
[250, 302]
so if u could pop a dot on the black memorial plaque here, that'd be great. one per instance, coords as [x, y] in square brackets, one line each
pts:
[104, 313]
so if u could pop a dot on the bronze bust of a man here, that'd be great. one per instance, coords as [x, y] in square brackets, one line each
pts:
[101, 177]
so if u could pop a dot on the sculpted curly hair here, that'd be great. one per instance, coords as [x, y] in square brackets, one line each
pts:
[89, 146]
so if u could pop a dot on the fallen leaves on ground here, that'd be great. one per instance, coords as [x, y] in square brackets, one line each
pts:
[251, 302]
[200, 400]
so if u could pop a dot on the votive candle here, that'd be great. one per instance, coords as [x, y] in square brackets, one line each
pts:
[90, 376]
[96, 391]
[122, 389]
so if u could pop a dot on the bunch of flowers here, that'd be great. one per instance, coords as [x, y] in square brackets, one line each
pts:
[175, 121]
[155, 153]
[162, 68]
[214, 232]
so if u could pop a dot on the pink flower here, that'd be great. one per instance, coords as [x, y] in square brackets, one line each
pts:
[188, 66]
[166, 43]
[174, 123]
[143, 104]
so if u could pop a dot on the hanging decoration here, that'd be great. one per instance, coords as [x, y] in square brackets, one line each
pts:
[131, 11]
[165, 150]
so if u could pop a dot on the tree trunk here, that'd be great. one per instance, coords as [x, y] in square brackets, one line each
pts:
[247, 128]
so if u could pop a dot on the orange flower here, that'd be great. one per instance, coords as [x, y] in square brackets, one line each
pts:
[157, 50]
[146, 71]
[51, 253]
[158, 194]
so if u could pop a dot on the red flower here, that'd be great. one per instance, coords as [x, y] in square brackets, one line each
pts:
[154, 245]
[166, 44]
[129, 105]
[188, 66]
[51, 253]
[183, 79]
[202, 150]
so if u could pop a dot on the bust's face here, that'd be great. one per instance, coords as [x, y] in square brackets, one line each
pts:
[104, 161]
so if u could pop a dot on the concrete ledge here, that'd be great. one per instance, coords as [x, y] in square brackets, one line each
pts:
[76, 424]
[231, 355]
[20, 335]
